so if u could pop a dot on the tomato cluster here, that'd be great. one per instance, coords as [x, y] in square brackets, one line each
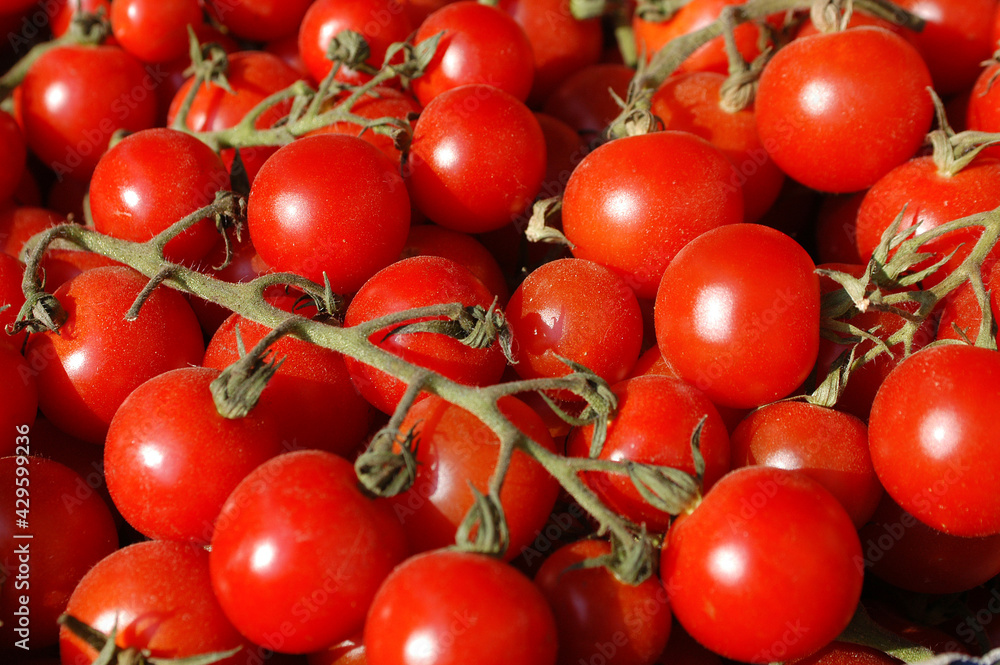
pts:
[283, 380]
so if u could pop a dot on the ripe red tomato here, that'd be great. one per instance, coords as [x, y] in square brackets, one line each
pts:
[961, 311]
[433, 240]
[448, 607]
[305, 581]
[19, 223]
[846, 653]
[737, 314]
[68, 535]
[87, 369]
[837, 111]
[259, 20]
[13, 155]
[381, 102]
[564, 149]
[75, 97]
[982, 113]
[61, 12]
[152, 179]
[419, 282]
[766, 568]
[633, 203]
[477, 159]
[20, 406]
[11, 299]
[583, 100]
[836, 228]
[154, 30]
[934, 441]
[329, 204]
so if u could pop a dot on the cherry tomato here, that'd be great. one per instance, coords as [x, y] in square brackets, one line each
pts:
[583, 100]
[303, 582]
[19, 223]
[837, 229]
[154, 30]
[340, 199]
[766, 568]
[846, 653]
[564, 149]
[11, 300]
[933, 438]
[61, 12]
[259, 20]
[381, 102]
[982, 113]
[13, 155]
[21, 404]
[433, 240]
[837, 111]
[961, 314]
[426, 612]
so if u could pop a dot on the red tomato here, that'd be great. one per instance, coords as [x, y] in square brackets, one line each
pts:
[19, 223]
[340, 200]
[433, 240]
[766, 568]
[67, 535]
[477, 159]
[61, 12]
[87, 369]
[737, 314]
[154, 30]
[159, 595]
[837, 111]
[419, 282]
[75, 97]
[633, 203]
[828, 446]
[564, 150]
[11, 300]
[934, 441]
[13, 155]
[654, 422]
[583, 100]
[305, 581]
[447, 606]
[961, 311]
[983, 112]
[349, 652]
[846, 653]
[20, 406]
[837, 228]
[381, 102]
[259, 20]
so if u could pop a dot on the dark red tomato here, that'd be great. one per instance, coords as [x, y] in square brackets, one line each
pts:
[766, 568]
[66, 197]
[448, 607]
[846, 653]
[561, 43]
[934, 439]
[597, 614]
[837, 228]
[455, 449]
[311, 379]
[380, 22]
[691, 103]
[50, 538]
[837, 111]
[159, 595]
[152, 179]
[829, 446]
[481, 45]
[244, 265]
[287, 48]
[654, 422]
[20, 406]
[259, 20]
[477, 159]
[173, 72]
[857, 19]
[75, 97]
[19, 223]
[633, 203]
[564, 149]
[11, 300]
[578, 310]
[87, 369]
[737, 314]
[954, 41]
[961, 310]
[418, 10]
[171, 460]
[61, 12]
[930, 198]
[303, 582]
[381, 102]
[907, 553]
[651, 36]
[13, 155]
[253, 76]
[682, 648]
[584, 100]
[432, 240]
[154, 30]
[419, 282]
[28, 192]
[14, 6]
[935, 639]
[349, 652]
[341, 201]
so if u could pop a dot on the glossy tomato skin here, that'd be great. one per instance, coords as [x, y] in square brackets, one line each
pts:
[737, 315]
[434, 240]
[303, 582]
[381, 102]
[654, 422]
[443, 606]
[329, 204]
[75, 97]
[152, 179]
[477, 159]
[153, 583]
[19, 223]
[828, 446]
[596, 612]
[420, 281]
[20, 405]
[68, 532]
[745, 569]
[934, 441]
[87, 369]
[154, 30]
[61, 12]
[259, 20]
[13, 154]
[832, 128]
[983, 112]
[633, 203]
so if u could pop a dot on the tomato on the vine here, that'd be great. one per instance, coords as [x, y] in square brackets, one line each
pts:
[154, 30]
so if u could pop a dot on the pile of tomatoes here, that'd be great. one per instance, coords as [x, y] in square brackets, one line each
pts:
[744, 302]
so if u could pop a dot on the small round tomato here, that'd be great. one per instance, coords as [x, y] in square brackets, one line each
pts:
[380, 102]
[583, 100]
[18, 224]
[737, 314]
[433, 240]
[259, 20]
[20, 406]
[11, 300]
[766, 568]
[303, 582]
[61, 12]
[837, 228]
[341, 202]
[154, 30]
[13, 155]
[451, 608]
[961, 314]
[934, 440]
